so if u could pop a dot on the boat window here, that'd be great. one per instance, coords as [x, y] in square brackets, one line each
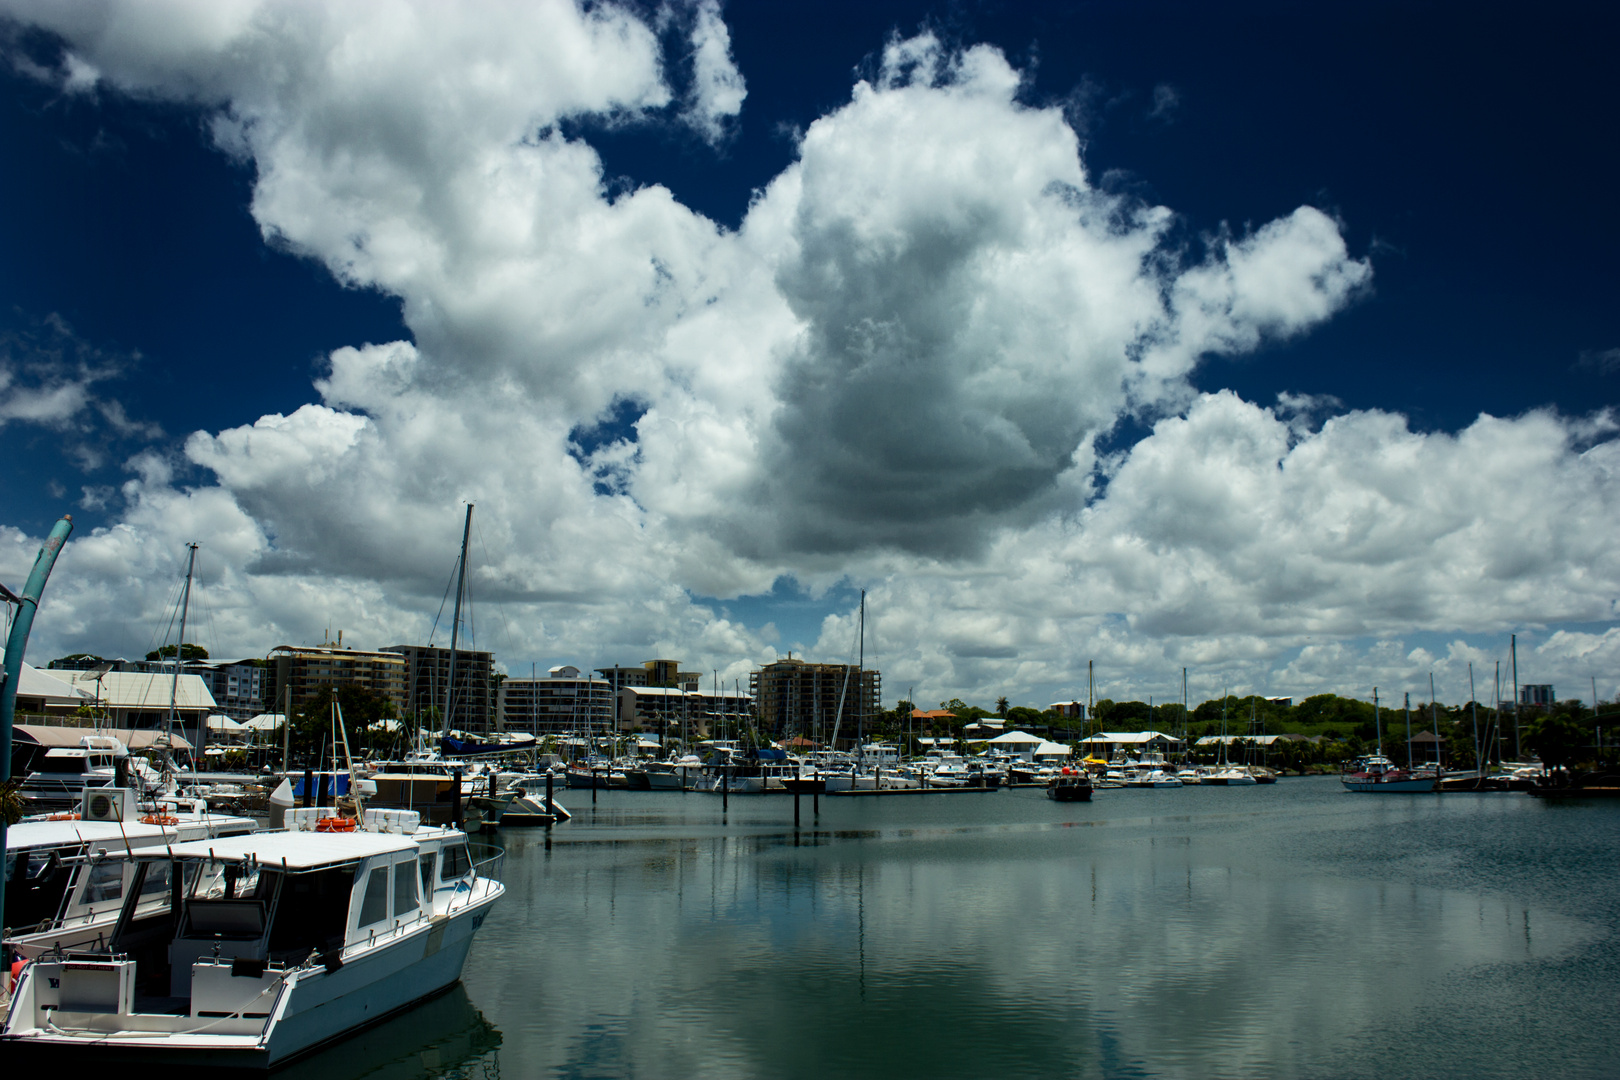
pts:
[456, 862]
[312, 912]
[242, 919]
[374, 908]
[36, 881]
[156, 882]
[106, 882]
[225, 880]
[404, 889]
[427, 872]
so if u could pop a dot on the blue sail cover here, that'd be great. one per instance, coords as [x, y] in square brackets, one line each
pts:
[767, 753]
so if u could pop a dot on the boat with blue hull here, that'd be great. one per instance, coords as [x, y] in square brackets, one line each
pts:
[274, 944]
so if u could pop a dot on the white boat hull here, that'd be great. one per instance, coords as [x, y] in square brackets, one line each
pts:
[302, 1010]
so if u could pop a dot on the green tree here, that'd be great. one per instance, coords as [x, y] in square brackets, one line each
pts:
[1001, 707]
[188, 652]
[1557, 740]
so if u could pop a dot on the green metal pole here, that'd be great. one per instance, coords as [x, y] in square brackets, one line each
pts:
[16, 643]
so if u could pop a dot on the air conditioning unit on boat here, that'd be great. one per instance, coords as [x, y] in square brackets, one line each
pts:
[107, 804]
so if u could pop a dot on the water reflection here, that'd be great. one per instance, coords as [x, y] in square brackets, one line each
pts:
[1290, 932]
[446, 1037]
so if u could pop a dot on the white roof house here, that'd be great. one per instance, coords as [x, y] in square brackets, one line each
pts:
[133, 696]
[1052, 751]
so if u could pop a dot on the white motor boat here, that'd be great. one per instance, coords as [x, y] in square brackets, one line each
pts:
[67, 874]
[275, 944]
[1230, 776]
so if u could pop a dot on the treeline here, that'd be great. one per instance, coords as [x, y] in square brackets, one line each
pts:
[1568, 733]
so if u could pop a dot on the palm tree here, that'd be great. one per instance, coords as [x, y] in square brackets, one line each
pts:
[1001, 707]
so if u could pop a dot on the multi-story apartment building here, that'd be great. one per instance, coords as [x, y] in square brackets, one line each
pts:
[654, 673]
[564, 701]
[796, 698]
[686, 714]
[297, 672]
[472, 686]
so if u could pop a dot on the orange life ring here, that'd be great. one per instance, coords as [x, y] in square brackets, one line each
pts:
[160, 819]
[74, 816]
[335, 824]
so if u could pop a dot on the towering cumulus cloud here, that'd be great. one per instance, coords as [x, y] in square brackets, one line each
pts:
[897, 368]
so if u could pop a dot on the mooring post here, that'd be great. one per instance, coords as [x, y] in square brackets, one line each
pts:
[596, 780]
[455, 783]
[550, 807]
[725, 788]
[309, 785]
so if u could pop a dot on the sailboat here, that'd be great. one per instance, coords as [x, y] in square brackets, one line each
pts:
[1227, 774]
[1377, 774]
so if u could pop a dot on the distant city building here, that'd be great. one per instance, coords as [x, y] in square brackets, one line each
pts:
[796, 698]
[684, 713]
[564, 701]
[297, 672]
[1536, 694]
[237, 685]
[655, 673]
[427, 674]
[1074, 710]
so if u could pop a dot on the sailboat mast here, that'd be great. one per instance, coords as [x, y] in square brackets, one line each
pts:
[1409, 732]
[1513, 647]
[179, 647]
[455, 621]
[1434, 719]
[860, 688]
[1473, 708]
[1379, 728]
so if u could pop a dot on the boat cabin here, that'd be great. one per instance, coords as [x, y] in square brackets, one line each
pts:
[69, 873]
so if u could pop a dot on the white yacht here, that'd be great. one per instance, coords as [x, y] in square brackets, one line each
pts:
[251, 951]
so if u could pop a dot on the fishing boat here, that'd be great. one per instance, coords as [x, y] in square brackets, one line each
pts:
[1070, 786]
[252, 951]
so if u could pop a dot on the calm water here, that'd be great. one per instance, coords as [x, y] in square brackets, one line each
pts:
[1293, 930]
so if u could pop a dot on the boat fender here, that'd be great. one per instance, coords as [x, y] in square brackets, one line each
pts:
[17, 966]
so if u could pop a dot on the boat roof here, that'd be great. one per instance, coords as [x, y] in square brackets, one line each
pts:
[68, 833]
[296, 850]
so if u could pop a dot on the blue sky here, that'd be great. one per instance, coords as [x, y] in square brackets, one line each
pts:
[714, 470]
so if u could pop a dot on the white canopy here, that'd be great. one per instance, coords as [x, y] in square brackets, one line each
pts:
[1016, 738]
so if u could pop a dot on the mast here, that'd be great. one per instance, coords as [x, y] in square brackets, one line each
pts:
[1379, 728]
[1408, 732]
[1434, 719]
[455, 621]
[1479, 747]
[174, 684]
[860, 688]
[1513, 646]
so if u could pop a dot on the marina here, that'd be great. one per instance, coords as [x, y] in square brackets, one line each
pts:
[1289, 930]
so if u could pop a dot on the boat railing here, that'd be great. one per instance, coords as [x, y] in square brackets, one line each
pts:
[489, 860]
